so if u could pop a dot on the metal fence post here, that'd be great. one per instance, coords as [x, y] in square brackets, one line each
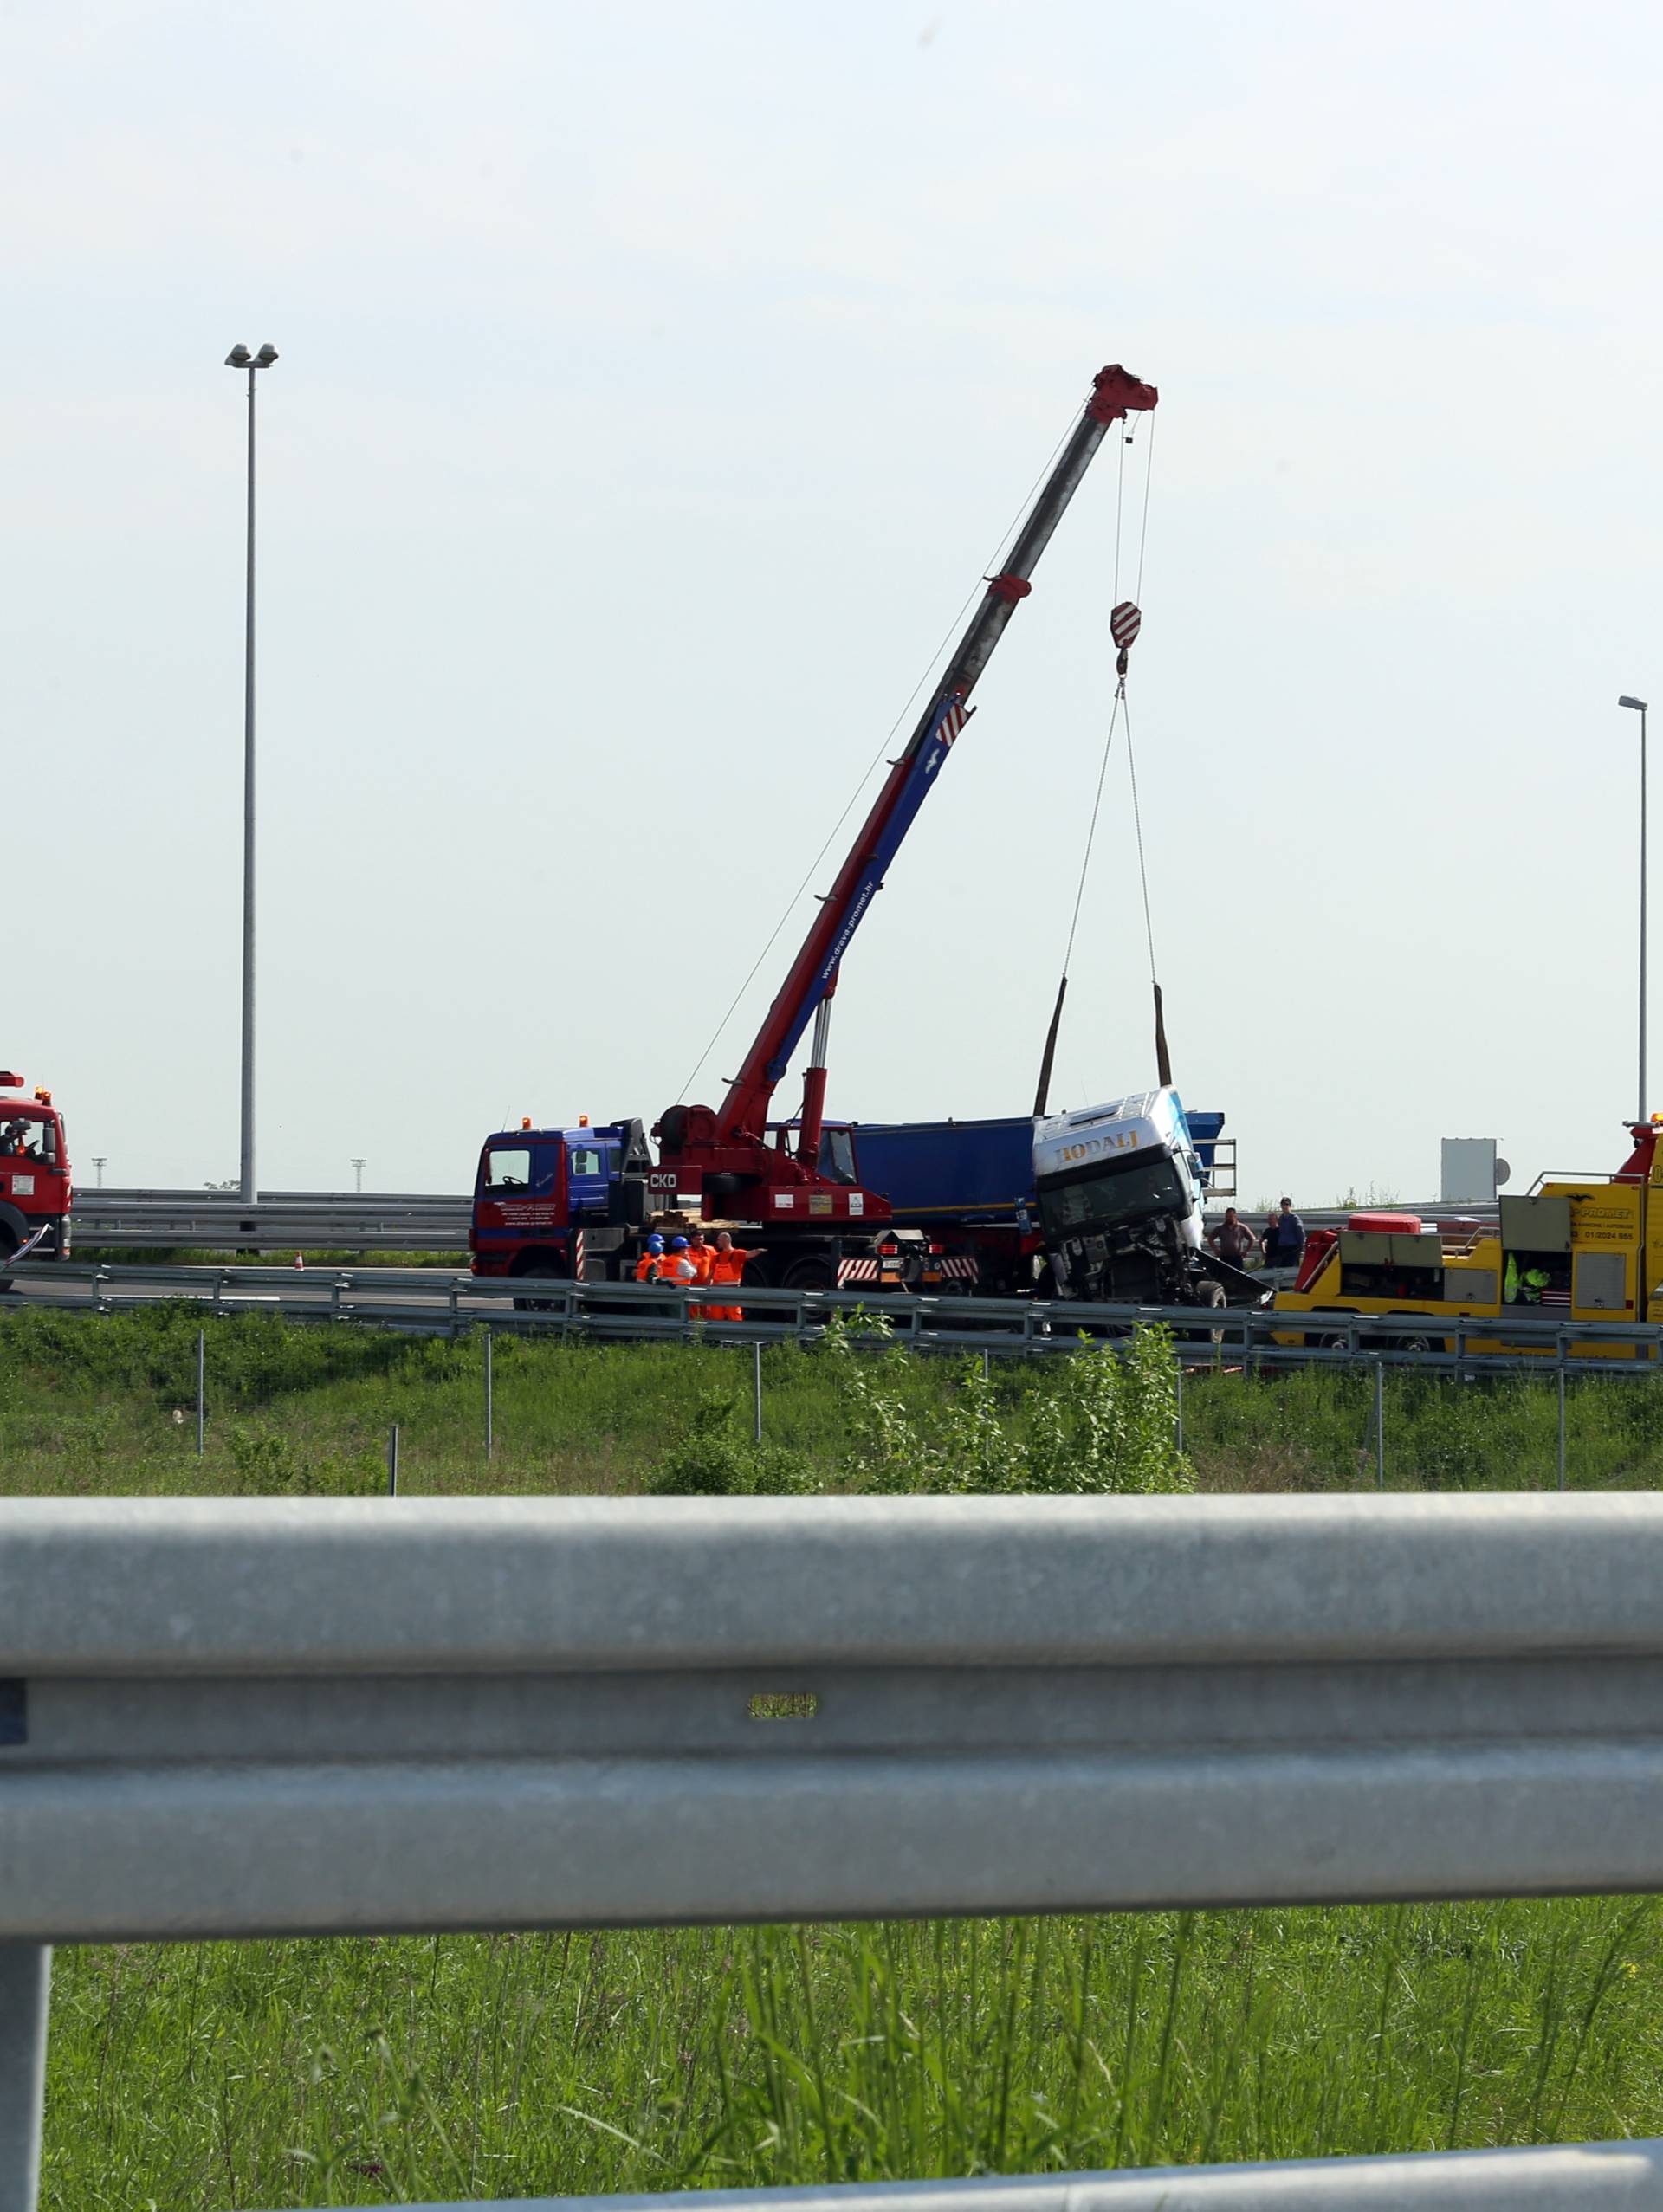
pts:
[490, 1410]
[1178, 1439]
[756, 1372]
[987, 1365]
[1562, 1417]
[1380, 1424]
[392, 1462]
[25, 1971]
[201, 1391]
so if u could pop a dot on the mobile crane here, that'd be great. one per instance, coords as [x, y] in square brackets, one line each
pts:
[572, 1202]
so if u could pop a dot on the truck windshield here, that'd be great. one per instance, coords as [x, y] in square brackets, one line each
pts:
[1108, 1199]
[508, 1169]
[23, 1137]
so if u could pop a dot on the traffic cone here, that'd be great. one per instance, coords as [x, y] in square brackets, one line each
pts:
[300, 1260]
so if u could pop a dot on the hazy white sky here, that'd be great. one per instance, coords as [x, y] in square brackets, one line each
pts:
[656, 383]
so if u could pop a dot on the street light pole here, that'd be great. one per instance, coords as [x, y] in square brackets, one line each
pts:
[240, 358]
[1638, 706]
[358, 1169]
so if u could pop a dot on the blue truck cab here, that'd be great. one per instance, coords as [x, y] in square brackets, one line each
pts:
[560, 1201]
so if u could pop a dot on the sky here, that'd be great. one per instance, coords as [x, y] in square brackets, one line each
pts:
[656, 386]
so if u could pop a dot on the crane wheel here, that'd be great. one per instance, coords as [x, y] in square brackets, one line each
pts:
[812, 1272]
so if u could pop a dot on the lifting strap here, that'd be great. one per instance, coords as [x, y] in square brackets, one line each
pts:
[1123, 625]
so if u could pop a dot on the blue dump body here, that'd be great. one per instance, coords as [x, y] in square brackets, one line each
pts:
[968, 1172]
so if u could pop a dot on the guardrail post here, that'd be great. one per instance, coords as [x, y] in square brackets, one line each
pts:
[1178, 1423]
[490, 1421]
[25, 1972]
[201, 1391]
[392, 1462]
[756, 1373]
[1562, 1414]
[1380, 1424]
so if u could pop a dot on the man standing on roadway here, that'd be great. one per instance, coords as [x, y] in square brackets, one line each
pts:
[728, 1267]
[1232, 1239]
[1290, 1238]
[701, 1256]
[646, 1268]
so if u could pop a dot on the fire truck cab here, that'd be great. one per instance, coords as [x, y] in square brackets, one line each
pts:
[35, 1186]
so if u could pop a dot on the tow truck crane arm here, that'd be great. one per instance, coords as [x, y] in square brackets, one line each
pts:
[734, 1140]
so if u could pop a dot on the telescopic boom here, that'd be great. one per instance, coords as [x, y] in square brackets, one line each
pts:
[740, 1122]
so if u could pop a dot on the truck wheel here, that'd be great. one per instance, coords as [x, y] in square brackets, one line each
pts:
[1416, 1343]
[544, 1264]
[1211, 1295]
[812, 1272]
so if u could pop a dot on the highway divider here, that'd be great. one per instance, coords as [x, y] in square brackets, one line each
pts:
[336, 1717]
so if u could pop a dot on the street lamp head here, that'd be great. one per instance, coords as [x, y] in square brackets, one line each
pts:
[1639, 705]
[265, 356]
[238, 357]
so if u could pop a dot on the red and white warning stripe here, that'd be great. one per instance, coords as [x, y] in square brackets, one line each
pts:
[858, 1271]
[1124, 624]
[953, 720]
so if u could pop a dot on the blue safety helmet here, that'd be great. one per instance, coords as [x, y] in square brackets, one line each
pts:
[654, 1242]
[678, 1243]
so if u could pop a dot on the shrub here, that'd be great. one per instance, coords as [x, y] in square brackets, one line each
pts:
[712, 1457]
[1102, 1422]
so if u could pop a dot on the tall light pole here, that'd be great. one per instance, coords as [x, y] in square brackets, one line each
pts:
[101, 1161]
[1638, 706]
[240, 358]
[358, 1169]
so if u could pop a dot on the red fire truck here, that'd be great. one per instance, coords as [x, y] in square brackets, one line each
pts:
[34, 1187]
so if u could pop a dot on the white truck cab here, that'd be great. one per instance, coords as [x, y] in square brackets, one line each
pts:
[1120, 1189]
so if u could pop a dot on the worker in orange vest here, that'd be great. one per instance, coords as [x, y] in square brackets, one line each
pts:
[701, 1255]
[675, 1267]
[728, 1267]
[646, 1268]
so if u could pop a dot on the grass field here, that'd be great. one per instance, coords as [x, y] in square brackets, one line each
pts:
[366, 2072]
[362, 2073]
[88, 1405]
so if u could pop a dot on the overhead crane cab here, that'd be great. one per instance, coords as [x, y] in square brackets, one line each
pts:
[1573, 1249]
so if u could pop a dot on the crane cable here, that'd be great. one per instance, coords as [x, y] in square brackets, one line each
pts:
[992, 568]
[1121, 704]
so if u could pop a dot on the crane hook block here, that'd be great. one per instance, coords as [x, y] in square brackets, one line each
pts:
[1008, 588]
[1116, 392]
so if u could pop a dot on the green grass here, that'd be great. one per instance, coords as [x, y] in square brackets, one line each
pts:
[365, 2072]
[307, 2073]
[88, 1407]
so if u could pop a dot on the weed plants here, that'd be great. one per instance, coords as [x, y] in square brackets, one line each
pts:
[368, 2072]
[105, 1405]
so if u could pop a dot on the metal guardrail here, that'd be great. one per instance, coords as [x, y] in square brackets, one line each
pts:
[445, 1302]
[276, 1221]
[307, 1717]
[367, 1221]
[1624, 2177]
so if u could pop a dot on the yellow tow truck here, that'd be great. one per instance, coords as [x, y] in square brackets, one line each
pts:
[1573, 1249]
